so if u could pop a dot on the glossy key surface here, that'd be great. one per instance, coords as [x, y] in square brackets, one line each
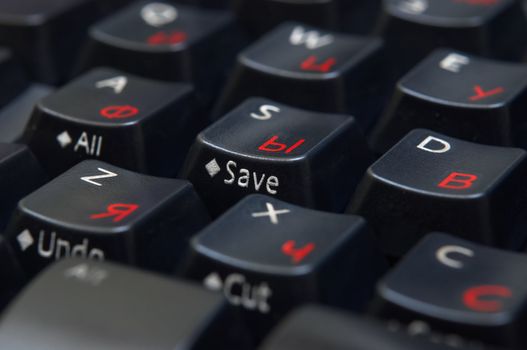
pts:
[102, 212]
[274, 149]
[429, 181]
[93, 305]
[459, 287]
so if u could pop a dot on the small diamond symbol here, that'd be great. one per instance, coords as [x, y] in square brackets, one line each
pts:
[213, 168]
[64, 139]
[25, 240]
[213, 282]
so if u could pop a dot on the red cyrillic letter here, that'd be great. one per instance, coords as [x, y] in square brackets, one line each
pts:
[272, 146]
[119, 210]
[458, 181]
[476, 298]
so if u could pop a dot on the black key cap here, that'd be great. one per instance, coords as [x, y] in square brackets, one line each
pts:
[429, 181]
[454, 286]
[85, 305]
[119, 118]
[103, 212]
[164, 41]
[312, 69]
[46, 35]
[15, 116]
[460, 95]
[494, 28]
[316, 328]
[19, 175]
[267, 256]
[270, 148]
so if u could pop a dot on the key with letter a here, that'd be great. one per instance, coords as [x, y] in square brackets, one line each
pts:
[102, 212]
[452, 286]
[271, 148]
[429, 181]
[268, 256]
[87, 305]
[115, 117]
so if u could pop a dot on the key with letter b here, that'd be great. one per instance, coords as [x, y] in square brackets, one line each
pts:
[103, 212]
[429, 181]
[484, 298]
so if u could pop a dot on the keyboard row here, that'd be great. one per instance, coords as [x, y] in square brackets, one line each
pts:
[176, 40]
[268, 255]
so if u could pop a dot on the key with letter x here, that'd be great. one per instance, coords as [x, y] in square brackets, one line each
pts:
[429, 181]
[268, 256]
[115, 117]
[103, 212]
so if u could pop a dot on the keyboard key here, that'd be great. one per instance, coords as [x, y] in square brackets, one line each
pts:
[13, 79]
[164, 41]
[77, 304]
[102, 212]
[268, 256]
[46, 35]
[455, 286]
[315, 327]
[308, 68]
[460, 95]
[19, 175]
[494, 28]
[115, 117]
[429, 181]
[270, 148]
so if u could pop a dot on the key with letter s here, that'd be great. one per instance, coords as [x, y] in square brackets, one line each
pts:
[271, 148]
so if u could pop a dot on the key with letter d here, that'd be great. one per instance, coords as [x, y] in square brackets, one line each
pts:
[429, 181]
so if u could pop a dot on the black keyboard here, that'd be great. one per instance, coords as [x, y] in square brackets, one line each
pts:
[263, 175]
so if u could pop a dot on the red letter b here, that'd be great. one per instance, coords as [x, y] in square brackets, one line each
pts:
[458, 181]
